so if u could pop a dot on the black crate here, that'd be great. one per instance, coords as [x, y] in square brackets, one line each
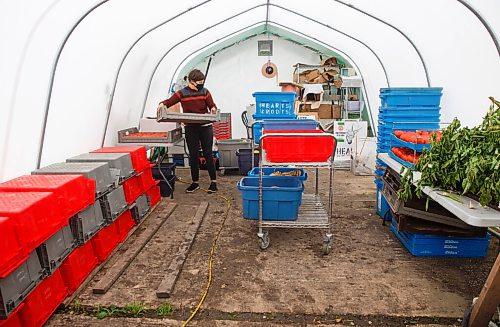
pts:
[53, 251]
[113, 204]
[140, 208]
[87, 223]
[17, 285]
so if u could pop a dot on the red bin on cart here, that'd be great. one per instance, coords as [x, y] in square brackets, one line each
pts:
[298, 148]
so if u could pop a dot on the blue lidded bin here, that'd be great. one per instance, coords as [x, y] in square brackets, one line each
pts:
[274, 105]
[410, 96]
[281, 197]
[282, 124]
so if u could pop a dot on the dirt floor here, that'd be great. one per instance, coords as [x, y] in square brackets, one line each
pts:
[369, 279]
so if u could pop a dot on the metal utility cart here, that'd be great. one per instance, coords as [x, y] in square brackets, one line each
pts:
[312, 212]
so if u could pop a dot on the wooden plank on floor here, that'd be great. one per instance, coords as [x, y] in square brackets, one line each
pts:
[172, 273]
[488, 300]
[126, 258]
[96, 270]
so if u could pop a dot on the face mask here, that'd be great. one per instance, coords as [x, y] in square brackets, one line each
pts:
[200, 86]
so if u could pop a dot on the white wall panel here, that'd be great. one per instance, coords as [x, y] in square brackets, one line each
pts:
[32, 31]
[456, 47]
[133, 83]
[459, 52]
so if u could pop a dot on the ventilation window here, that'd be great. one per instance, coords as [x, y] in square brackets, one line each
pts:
[265, 48]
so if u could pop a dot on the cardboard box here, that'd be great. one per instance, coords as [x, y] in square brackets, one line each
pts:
[329, 62]
[307, 76]
[336, 111]
[325, 111]
[319, 80]
[329, 75]
[329, 111]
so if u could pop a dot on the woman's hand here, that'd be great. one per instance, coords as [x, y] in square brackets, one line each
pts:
[213, 111]
[161, 105]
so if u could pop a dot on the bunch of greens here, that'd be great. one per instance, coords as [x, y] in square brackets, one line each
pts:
[466, 160]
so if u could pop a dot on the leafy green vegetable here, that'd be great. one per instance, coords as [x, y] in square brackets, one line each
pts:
[466, 160]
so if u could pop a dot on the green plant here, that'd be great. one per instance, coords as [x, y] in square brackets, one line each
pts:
[466, 160]
[164, 310]
[136, 308]
[111, 311]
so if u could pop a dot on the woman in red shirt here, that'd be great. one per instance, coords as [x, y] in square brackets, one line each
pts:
[194, 98]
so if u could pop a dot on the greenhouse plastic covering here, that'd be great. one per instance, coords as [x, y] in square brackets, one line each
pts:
[72, 73]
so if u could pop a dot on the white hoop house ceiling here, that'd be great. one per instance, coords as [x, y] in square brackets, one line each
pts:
[75, 72]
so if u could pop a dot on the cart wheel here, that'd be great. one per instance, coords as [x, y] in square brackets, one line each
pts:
[222, 172]
[264, 241]
[327, 248]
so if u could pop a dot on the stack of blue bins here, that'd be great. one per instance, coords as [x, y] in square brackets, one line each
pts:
[281, 195]
[403, 108]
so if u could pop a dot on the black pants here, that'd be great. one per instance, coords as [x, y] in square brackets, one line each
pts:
[196, 134]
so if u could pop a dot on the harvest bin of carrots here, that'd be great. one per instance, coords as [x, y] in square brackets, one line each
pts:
[418, 137]
[416, 141]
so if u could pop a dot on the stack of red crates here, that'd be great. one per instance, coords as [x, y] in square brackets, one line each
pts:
[222, 129]
[141, 183]
[34, 208]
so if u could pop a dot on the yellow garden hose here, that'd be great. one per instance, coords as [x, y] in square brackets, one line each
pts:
[212, 251]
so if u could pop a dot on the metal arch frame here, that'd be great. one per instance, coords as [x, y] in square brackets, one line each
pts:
[52, 77]
[307, 36]
[187, 39]
[484, 22]
[266, 4]
[399, 31]
[338, 31]
[112, 94]
[51, 83]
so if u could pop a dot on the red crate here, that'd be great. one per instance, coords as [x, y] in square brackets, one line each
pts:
[132, 189]
[13, 252]
[137, 154]
[77, 266]
[154, 194]
[124, 223]
[74, 192]
[146, 179]
[14, 319]
[35, 215]
[44, 300]
[298, 148]
[223, 137]
[105, 241]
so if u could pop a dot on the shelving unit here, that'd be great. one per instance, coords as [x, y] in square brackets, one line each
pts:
[349, 84]
[312, 212]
